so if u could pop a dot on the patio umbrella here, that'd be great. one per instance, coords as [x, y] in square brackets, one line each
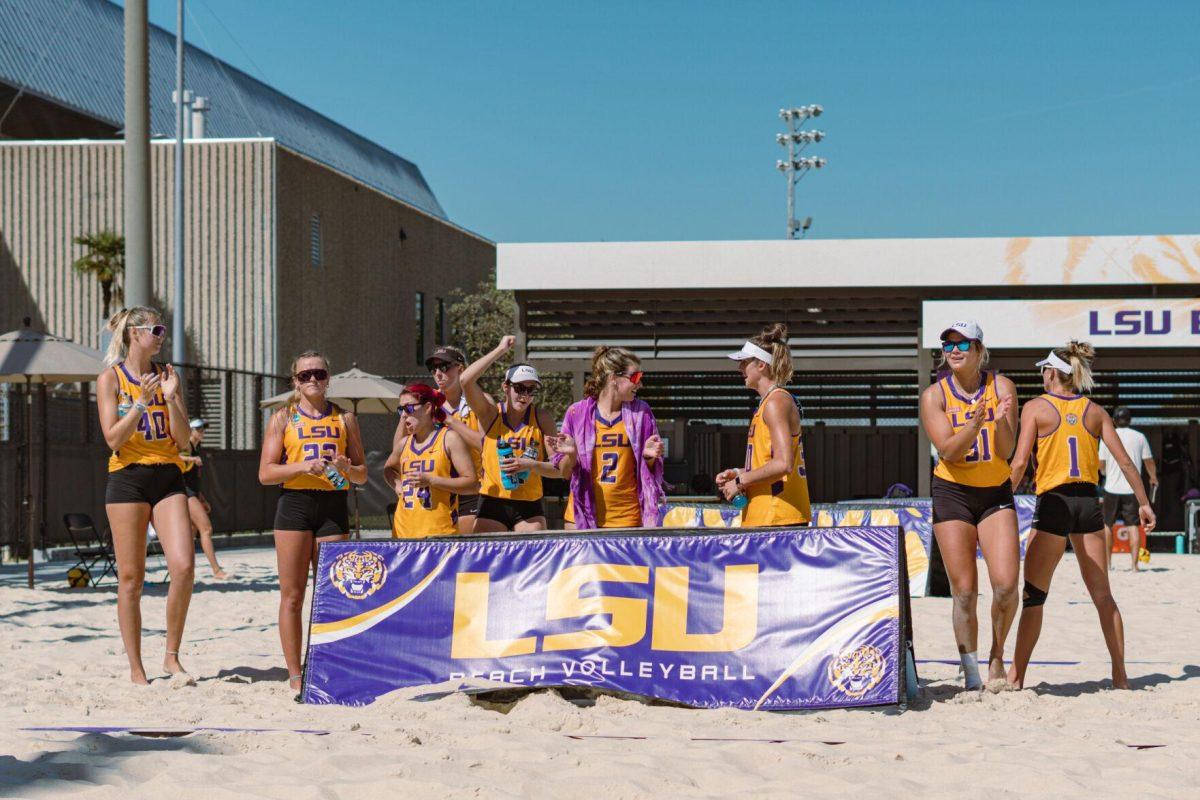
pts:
[364, 393]
[29, 356]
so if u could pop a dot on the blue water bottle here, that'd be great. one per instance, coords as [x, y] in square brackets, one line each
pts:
[504, 450]
[531, 453]
[739, 501]
[333, 476]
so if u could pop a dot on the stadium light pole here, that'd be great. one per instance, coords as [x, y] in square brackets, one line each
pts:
[138, 279]
[178, 348]
[796, 167]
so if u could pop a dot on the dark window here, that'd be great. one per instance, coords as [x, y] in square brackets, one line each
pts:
[314, 244]
[420, 321]
[441, 321]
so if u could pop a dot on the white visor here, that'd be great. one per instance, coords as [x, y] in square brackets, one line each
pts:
[751, 350]
[1053, 360]
[522, 373]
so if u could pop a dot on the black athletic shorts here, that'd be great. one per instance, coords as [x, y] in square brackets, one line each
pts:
[143, 483]
[1124, 506]
[509, 512]
[322, 511]
[468, 505]
[971, 504]
[191, 482]
[1068, 508]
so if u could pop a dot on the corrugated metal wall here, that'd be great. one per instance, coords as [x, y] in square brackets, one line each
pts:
[49, 193]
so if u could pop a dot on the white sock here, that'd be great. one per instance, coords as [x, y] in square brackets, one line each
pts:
[970, 669]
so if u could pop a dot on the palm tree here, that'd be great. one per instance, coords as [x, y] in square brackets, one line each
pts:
[104, 259]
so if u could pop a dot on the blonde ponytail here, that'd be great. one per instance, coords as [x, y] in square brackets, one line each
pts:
[773, 339]
[1080, 356]
[606, 362]
[120, 324]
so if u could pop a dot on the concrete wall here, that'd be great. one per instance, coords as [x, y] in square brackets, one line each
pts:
[358, 304]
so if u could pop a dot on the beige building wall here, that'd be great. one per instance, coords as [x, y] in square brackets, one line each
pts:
[52, 192]
[254, 297]
[356, 300]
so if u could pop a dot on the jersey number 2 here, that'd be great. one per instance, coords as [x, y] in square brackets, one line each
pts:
[608, 467]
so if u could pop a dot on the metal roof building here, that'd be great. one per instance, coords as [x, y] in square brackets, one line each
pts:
[70, 53]
[865, 317]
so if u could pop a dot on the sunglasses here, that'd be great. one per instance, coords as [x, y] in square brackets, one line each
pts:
[306, 375]
[440, 366]
[408, 408]
[157, 331]
[634, 377]
[525, 390]
[950, 347]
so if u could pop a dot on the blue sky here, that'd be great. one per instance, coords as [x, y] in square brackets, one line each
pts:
[656, 120]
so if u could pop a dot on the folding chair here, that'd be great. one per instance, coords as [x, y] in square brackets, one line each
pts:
[81, 529]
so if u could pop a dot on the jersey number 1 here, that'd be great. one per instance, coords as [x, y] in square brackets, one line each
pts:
[1073, 449]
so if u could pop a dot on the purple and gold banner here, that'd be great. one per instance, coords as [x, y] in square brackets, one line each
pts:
[769, 619]
[914, 521]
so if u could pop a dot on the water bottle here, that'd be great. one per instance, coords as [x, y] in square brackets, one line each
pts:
[333, 476]
[504, 450]
[740, 501]
[124, 403]
[531, 453]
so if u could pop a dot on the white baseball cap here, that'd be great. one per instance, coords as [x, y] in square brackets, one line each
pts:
[751, 350]
[522, 373]
[197, 423]
[1053, 360]
[968, 329]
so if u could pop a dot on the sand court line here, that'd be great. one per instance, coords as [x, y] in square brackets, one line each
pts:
[163, 732]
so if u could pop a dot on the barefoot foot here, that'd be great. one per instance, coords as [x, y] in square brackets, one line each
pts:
[1012, 678]
[172, 664]
[996, 668]
[138, 677]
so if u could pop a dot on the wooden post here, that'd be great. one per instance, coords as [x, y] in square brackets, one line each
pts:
[43, 469]
[258, 414]
[227, 410]
[924, 369]
[29, 506]
[85, 412]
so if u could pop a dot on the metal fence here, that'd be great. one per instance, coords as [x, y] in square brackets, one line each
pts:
[69, 456]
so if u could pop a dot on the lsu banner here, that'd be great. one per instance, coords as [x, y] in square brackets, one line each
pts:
[915, 521]
[699, 515]
[1025, 504]
[770, 619]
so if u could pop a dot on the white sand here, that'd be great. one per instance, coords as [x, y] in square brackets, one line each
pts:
[1069, 736]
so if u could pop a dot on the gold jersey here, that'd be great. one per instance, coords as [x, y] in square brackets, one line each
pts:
[785, 501]
[1070, 453]
[426, 510]
[982, 465]
[614, 476]
[151, 442]
[312, 438]
[525, 439]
